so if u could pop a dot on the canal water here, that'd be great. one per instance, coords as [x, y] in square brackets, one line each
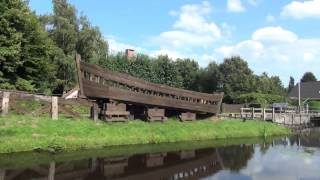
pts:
[295, 157]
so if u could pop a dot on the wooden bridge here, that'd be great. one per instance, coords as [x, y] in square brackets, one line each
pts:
[120, 96]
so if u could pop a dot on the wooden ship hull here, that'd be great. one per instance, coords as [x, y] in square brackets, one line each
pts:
[115, 91]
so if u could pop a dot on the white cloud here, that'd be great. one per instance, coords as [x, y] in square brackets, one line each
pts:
[277, 51]
[171, 53]
[304, 9]
[192, 28]
[235, 6]
[270, 18]
[274, 35]
[116, 46]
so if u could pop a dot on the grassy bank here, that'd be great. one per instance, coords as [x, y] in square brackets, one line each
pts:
[26, 133]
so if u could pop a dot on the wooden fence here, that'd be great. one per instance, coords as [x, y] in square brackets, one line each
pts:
[49, 104]
[285, 117]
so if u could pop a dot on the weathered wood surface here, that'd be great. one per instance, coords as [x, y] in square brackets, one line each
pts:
[187, 116]
[100, 83]
[54, 108]
[5, 103]
[115, 112]
[155, 114]
[92, 89]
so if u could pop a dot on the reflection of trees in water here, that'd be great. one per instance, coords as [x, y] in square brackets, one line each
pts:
[310, 138]
[236, 157]
[192, 163]
[264, 148]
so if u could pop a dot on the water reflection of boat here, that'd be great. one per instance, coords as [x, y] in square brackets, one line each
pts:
[193, 164]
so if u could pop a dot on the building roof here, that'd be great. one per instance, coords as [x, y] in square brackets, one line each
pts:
[307, 90]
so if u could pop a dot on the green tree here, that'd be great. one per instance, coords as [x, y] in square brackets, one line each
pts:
[26, 51]
[141, 67]
[291, 84]
[90, 44]
[308, 77]
[188, 70]
[166, 72]
[73, 35]
[236, 78]
[209, 79]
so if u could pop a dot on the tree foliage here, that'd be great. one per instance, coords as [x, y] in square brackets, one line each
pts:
[26, 52]
[308, 77]
[291, 84]
[37, 54]
[73, 34]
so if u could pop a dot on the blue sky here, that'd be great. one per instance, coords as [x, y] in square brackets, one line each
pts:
[278, 37]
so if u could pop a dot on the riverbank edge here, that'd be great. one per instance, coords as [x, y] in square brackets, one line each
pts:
[27, 133]
[32, 158]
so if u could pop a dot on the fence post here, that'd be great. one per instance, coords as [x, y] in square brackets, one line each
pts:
[94, 112]
[264, 114]
[2, 174]
[52, 171]
[273, 115]
[5, 103]
[253, 113]
[54, 108]
[241, 113]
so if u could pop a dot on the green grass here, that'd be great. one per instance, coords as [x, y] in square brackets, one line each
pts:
[314, 105]
[26, 133]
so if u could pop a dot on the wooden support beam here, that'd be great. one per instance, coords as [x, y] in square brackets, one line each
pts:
[52, 171]
[155, 114]
[54, 108]
[252, 113]
[5, 103]
[2, 174]
[95, 112]
[187, 116]
[78, 59]
[94, 164]
[273, 115]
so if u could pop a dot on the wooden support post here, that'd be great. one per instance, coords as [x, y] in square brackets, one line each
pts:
[52, 171]
[94, 164]
[2, 174]
[241, 112]
[293, 118]
[252, 113]
[78, 59]
[94, 112]
[264, 114]
[54, 108]
[5, 103]
[273, 115]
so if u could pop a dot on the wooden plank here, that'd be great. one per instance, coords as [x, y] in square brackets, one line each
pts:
[2, 174]
[52, 170]
[188, 116]
[54, 108]
[78, 59]
[95, 112]
[155, 114]
[94, 90]
[5, 103]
